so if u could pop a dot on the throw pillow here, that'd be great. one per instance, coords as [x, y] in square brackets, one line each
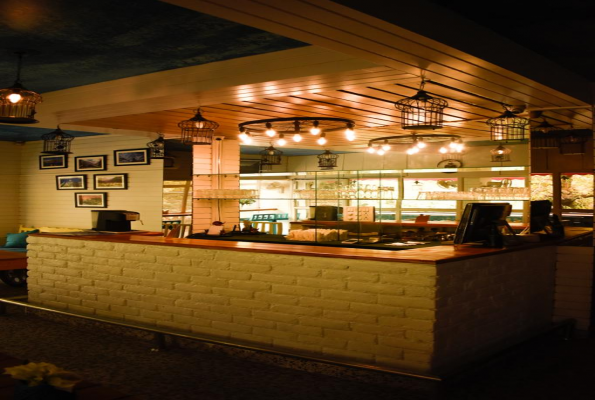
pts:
[18, 240]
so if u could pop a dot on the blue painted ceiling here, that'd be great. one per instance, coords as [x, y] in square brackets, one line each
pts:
[71, 43]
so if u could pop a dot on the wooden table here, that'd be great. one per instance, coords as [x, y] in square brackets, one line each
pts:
[12, 260]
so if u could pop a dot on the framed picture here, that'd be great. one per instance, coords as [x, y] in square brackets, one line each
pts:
[90, 163]
[110, 181]
[90, 200]
[53, 161]
[131, 157]
[71, 182]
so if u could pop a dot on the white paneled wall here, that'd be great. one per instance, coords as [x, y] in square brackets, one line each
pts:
[43, 205]
[10, 166]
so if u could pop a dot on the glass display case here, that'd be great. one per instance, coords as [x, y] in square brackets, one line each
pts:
[376, 208]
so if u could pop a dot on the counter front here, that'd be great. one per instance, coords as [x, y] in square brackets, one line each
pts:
[421, 310]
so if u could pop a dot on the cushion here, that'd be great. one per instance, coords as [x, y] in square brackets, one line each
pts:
[18, 240]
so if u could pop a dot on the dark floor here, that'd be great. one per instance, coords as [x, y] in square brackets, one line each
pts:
[547, 369]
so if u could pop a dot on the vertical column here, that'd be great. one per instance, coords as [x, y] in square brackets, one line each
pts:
[216, 167]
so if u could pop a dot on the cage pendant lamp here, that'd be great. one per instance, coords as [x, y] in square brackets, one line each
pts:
[270, 156]
[573, 142]
[17, 104]
[507, 127]
[198, 130]
[57, 142]
[421, 111]
[157, 147]
[500, 154]
[327, 160]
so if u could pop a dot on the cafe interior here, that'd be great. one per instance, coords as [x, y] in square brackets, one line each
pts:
[356, 125]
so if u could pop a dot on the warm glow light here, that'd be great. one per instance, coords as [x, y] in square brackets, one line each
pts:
[315, 130]
[371, 150]
[321, 140]
[421, 144]
[380, 152]
[443, 150]
[281, 141]
[350, 134]
[297, 138]
[247, 140]
[270, 132]
[14, 98]
[243, 136]
[413, 150]
[386, 146]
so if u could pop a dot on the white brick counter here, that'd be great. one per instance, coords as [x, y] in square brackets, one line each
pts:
[403, 316]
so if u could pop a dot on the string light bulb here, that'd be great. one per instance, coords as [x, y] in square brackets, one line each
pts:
[297, 138]
[322, 139]
[270, 132]
[315, 130]
[385, 146]
[281, 141]
[350, 133]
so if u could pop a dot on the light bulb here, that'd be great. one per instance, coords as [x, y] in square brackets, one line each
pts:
[270, 132]
[297, 138]
[321, 140]
[349, 134]
[443, 150]
[421, 144]
[380, 152]
[386, 146]
[371, 149]
[14, 98]
[281, 141]
[247, 140]
[412, 150]
[315, 130]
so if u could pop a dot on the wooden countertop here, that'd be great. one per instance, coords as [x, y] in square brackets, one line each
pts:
[427, 255]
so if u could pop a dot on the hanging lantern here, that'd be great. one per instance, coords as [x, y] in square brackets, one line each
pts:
[421, 111]
[17, 104]
[574, 142]
[157, 147]
[545, 136]
[327, 160]
[56, 142]
[501, 154]
[270, 156]
[507, 126]
[198, 130]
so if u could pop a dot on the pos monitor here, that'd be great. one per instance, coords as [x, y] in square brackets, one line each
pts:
[482, 224]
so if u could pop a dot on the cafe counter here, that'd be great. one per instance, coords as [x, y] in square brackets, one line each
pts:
[423, 311]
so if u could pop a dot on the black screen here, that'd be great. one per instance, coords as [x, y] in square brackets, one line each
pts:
[478, 222]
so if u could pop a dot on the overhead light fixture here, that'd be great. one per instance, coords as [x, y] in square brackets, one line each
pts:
[270, 156]
[56, 142]
[573, 141]
[327, 160]
[543, 127]
[319, 127]
[17, 104]
[198, 130]
[545, 136]
[415, 143]
[157, 147]
[421, 111]
[500, 154]
[508, 126]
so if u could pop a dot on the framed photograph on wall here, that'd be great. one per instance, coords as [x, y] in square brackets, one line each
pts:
[90, 163]
[90, 200]
[71, 182]
[131, 157]
[110, 181]
[53, 161]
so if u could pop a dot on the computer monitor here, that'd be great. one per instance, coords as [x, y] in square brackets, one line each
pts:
[482, 224]
[539, 216]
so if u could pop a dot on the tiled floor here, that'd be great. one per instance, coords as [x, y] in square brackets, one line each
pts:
[546, 370]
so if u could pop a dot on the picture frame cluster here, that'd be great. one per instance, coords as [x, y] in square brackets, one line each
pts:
[103, 181]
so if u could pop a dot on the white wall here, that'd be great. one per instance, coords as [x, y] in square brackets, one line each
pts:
[10, 166]
[43, 205]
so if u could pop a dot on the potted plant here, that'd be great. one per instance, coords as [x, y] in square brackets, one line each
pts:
[42, 381]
